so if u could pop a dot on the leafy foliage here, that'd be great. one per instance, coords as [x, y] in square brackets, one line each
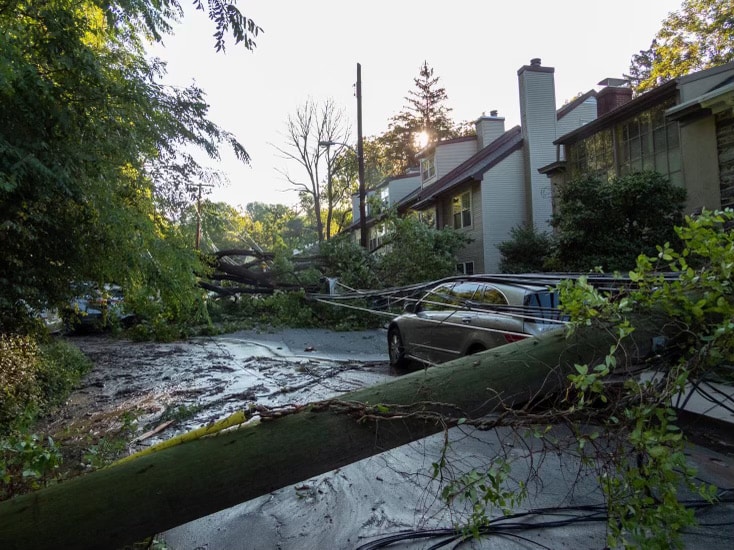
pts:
[415, 252]
[608, 224]
[228, 17]
[698, 36]
[33, 379]
[649, 466]
[90, 155]
[18, 367]
[344, 258]
[526, 251]
[481, 492]
[621, 415]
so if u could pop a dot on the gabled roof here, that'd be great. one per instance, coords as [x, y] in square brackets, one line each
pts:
[388, 180]
[471, 169]
[571, 105]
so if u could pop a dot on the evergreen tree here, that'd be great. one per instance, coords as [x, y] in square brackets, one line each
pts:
[423, 121]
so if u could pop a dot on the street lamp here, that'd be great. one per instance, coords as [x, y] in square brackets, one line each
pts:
[360, 162]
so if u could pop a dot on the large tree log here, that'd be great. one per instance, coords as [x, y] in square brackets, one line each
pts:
[130, 501]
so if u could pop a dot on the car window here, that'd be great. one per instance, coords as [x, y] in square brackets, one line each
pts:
[449, 296]
[543, 305]
[491, 295]
[437, 298]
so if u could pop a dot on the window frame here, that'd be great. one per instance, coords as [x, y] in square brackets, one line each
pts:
[463, 212]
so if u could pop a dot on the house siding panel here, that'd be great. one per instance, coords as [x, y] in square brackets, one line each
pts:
[401, 188]
[450, 155]
[583, 114]
[700, 164]
[503, 196]
[474, 251]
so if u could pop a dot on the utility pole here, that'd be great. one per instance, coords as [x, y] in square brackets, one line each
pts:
[360, 164]
[198, 209]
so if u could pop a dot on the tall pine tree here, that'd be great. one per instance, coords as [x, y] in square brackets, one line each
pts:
[424, 120]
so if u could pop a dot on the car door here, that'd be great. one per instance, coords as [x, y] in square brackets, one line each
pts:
[490, 322]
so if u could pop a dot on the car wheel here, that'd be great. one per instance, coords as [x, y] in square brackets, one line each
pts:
[476, 348]
[395, 348]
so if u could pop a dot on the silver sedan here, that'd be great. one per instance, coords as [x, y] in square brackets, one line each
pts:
[462, 317]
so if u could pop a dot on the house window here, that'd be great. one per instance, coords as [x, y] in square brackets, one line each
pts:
[649, 142]
[385, 198]
[465, 268]
[461, 209]
[428, 168]
[645, 141]
[377, 236]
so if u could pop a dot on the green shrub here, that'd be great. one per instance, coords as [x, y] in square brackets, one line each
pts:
[19, 365]
[33, 379]
[527, 251]
[608, 223]
[26, 463]
[60, 368]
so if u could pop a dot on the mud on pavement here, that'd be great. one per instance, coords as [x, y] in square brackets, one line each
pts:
[136, 388]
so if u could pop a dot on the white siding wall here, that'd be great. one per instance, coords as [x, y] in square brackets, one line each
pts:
[488, 129]
[400, 188]
[450, 155]
[577, 117]
[503, 199]
[538, 116]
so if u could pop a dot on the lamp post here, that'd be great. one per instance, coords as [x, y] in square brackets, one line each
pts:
[360, 161]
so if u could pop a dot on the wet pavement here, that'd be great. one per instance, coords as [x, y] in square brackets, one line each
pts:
[208, 378]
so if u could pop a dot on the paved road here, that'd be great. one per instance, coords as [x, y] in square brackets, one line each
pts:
[395, 491]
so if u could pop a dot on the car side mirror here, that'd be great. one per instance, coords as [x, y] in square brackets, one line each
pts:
[411, 307]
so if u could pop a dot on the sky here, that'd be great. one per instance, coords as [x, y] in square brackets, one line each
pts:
[310, 50]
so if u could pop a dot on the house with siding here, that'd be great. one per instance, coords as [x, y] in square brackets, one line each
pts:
[387, 194]
[488, 184]
[683, 129]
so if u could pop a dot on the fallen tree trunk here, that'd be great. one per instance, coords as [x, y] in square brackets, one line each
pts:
[136, 499]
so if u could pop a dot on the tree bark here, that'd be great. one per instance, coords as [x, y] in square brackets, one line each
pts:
[130, 501]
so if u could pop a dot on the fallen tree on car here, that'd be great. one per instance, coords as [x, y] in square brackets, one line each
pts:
[160, 490]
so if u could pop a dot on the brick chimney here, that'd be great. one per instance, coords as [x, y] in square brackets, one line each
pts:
[616, 92]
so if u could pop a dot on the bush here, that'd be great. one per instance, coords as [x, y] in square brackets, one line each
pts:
[608, 224]
[415, 252]
[33, 379]
[344, 258]
[527, 251]
[19, 366]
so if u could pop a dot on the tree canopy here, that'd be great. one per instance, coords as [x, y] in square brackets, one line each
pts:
[698, 36]
[91, 149]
